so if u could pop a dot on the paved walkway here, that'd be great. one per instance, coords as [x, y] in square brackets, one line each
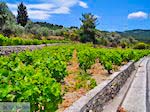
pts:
[135, 95]
[148, 87]
[136, 98]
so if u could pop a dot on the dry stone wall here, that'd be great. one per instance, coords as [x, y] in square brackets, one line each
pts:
[6, 50]
[95, 99]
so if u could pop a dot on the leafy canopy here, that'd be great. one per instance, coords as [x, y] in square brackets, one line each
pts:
[88, 27]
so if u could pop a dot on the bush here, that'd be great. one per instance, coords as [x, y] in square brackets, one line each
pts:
[124, 43]
[37, 30]
[59, 32]
[72, 35]
[103, 41]
[85, 81]
[141, 46]
[43, 31]
[13, 29]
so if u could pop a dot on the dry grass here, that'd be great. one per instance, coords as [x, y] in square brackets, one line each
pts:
[55, 38]
[69, 88]
[71, 92]
[98, 72]
[121, 109]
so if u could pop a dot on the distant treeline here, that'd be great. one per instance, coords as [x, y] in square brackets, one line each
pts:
[49, 25]
[53, 26]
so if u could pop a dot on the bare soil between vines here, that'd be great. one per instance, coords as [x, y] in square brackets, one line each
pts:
[71, 93]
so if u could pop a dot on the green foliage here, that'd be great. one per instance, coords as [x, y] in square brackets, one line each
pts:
[88, 28]
[50, 26]
[124, 43]
[8, 22]
[22, 17]
[85, 81]
[141, 46]
[107, 57]
[44, 31]
[3, 16]
[5, 41]
[35, 76]
[141, 35]
[6, 15]
[13, 29]
[24, 83]
[72, 34]
[102, 41]
[39, 31]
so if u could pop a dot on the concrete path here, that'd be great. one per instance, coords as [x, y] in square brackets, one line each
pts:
[135, 100]
[148, 87]
[135, 95]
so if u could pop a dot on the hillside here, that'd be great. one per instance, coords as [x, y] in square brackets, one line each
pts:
[9, 27]
[141, 35]
[49, 25]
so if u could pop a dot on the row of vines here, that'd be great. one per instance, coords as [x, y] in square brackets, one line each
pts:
[36, 76]
[5, 41]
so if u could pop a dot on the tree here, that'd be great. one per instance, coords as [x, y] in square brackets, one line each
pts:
[88, 28]
[3, 15]
[22, 17]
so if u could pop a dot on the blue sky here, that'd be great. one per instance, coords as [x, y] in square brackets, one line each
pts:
[113, 15]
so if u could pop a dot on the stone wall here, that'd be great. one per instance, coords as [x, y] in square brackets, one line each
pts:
[6, 50]
[95, 99]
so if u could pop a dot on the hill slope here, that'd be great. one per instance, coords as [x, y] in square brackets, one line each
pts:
[141, 35]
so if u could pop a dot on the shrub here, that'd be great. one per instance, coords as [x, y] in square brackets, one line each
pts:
[13, 29]
[43, 31]
[141, 46]
[102, 41]
[85, 81]
[124, 43]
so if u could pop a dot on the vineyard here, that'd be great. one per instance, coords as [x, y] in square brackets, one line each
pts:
[37, 77]
[5, 41]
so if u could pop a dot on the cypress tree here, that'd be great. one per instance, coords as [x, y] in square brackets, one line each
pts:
[22, 17]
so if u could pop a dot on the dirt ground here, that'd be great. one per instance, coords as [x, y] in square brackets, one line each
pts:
[71, 93]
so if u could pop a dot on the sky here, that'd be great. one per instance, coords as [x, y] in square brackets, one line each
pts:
[113, 15]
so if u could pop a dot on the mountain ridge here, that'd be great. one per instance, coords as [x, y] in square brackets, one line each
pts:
[139, 34]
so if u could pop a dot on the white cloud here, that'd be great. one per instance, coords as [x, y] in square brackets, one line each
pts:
[45, 9]
[12, 6]
[138, 15]
[98, 17]
[38, 14]
[83, 4]
[61, 10]
[40, 6]
[65, 3]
